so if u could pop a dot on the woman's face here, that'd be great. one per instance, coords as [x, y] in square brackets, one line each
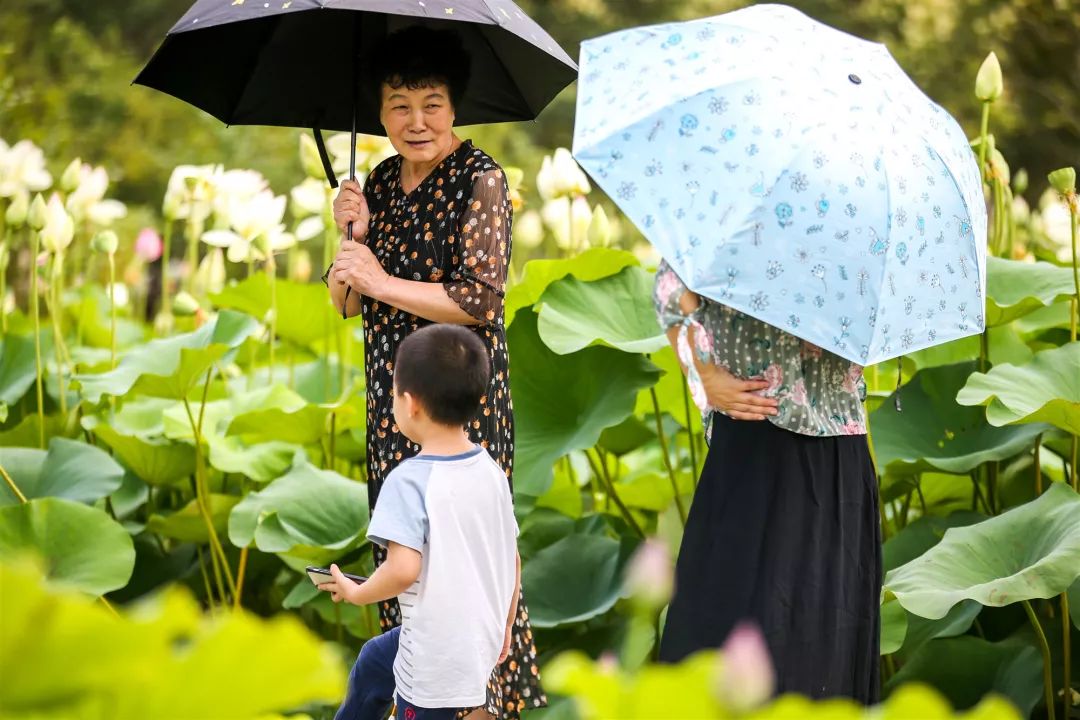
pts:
[419, 123]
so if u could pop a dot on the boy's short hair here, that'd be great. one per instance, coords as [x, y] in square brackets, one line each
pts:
[446, 368]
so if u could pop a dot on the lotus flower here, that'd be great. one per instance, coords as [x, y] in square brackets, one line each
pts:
[18, 210]
[650, 577]
[256, 219]
[22, 168]
[746, 677]
[148, 245]
[59, 228]
[190, 190]
[529, 230]
[86, 200]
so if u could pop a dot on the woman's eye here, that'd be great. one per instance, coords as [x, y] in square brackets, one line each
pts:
[433, 107]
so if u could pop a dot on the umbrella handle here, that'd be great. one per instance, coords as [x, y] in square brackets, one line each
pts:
[352, 176]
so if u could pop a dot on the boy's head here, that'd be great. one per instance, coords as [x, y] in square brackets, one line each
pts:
[440, 374]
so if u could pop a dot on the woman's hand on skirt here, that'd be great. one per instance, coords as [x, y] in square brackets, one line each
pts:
[350, 205]
[738, 399]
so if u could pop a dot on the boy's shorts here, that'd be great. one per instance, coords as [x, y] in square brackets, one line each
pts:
[408, 711]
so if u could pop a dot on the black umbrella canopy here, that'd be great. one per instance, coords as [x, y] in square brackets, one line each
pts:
[302, 63]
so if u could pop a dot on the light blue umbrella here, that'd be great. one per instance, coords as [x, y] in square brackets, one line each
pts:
[793, 172]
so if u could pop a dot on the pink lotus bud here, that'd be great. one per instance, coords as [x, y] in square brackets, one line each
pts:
[649, 577]
[746, 675]
[148, 245]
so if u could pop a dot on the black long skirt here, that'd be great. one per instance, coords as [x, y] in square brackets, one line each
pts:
[784, 531]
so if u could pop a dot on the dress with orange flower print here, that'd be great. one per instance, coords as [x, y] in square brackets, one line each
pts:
[819, 393]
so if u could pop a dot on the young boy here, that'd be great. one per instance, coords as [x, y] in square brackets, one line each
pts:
[447, 521]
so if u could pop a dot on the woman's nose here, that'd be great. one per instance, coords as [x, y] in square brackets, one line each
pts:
[416, 120]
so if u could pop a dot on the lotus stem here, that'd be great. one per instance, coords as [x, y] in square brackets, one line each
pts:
[333, 440]
[664, 452]
[55, 311]
[271, 274]
[191, 235]
[690, 435]
[11, 484]
[600, 471]
[112, 307]
[1066, 655]
[166, 251]
[108, 605]
[1072, 201]
[3, 281]
[1048, 679]
[205, 576]
[1038, 466]
[35, 310]
[983, 132]
[240, 577]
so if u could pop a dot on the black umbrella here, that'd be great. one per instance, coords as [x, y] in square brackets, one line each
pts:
[299, 63]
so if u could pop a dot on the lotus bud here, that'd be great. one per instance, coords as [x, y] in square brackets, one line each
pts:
[988, 84]
[999, 166]
[545, 179]
[529, 230]
[59, 228]
[746, 676]
[650, 579]
[38, 213]
[599, 233]
[184, 305]
[148, 245]
[310, 159]
[301, 268]
[17, 211]
[69, 181]
[118, 293]
[105, 242]
[1063, 180]
[581, 218]
[1020, 182]
[569, 177]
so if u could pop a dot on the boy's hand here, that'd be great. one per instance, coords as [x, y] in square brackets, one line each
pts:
[506, 646]
[342, 588]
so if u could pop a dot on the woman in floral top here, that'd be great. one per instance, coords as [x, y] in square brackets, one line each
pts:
[784, 526]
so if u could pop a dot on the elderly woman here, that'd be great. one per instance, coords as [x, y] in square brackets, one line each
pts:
[431, 227]
[783, 529]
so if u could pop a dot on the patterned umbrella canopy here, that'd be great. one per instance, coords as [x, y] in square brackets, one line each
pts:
[793, 172]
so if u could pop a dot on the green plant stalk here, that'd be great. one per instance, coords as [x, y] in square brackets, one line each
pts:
[11, 484]
[664, 452]
[58, 333]
[1010, 227]
[3, 281]
[271, 273]
[202, 492]
[1073, 202]
[166, 252]
[205, 577]
[333, 440]
[1048, 680]
[1066, 655]
[983, 132]
[35, 310]
[191, 235]
[1038, 466]
[240, 577]
[601, 473]
[690, 435]
[112, 308]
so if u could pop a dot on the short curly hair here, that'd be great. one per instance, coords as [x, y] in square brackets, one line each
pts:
[417, 57]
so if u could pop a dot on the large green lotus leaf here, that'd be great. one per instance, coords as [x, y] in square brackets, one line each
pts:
[966, 669]
[156, 461]
[575, 578]
[593, 264]
[187, 523]
[143, 417]
[17, 367]
[1032, 551]
[894, 627]
[304, 311]
[564, 495]
[933, 432]
[1015, 288]
[70, 469]
[243, 666]
[306, 507]
[83, 547]
[563, 402]
[217, 414]
[1047, 318]
[306, 425]
[91, 313]
[261, 462]
[1047, 389]
[170, 367]
[672, 394]
[921, 535]
[616, 311]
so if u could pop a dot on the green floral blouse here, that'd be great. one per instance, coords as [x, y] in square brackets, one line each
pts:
[819, 393]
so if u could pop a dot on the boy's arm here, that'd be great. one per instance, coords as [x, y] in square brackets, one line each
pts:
[513, 609]
[396, 575]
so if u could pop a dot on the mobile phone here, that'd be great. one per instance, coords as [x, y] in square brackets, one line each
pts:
[320, 575]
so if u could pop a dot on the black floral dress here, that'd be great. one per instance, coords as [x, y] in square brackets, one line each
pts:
[453, 229]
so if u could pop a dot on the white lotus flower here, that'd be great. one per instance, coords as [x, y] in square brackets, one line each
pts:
[310, 227]
[59, 228]
[1055, 224]
[370, 151]
[569, 178]
[190, 188]
[230, 187]
[545, 179]
[106, 212]
[252, 219]
[22, 167]
[119, 294]
[309, 197]
[211, 275]
[529, 230]
[86, 200]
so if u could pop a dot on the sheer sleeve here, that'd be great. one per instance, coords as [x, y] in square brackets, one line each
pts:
[478, 281]
[667, 290]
